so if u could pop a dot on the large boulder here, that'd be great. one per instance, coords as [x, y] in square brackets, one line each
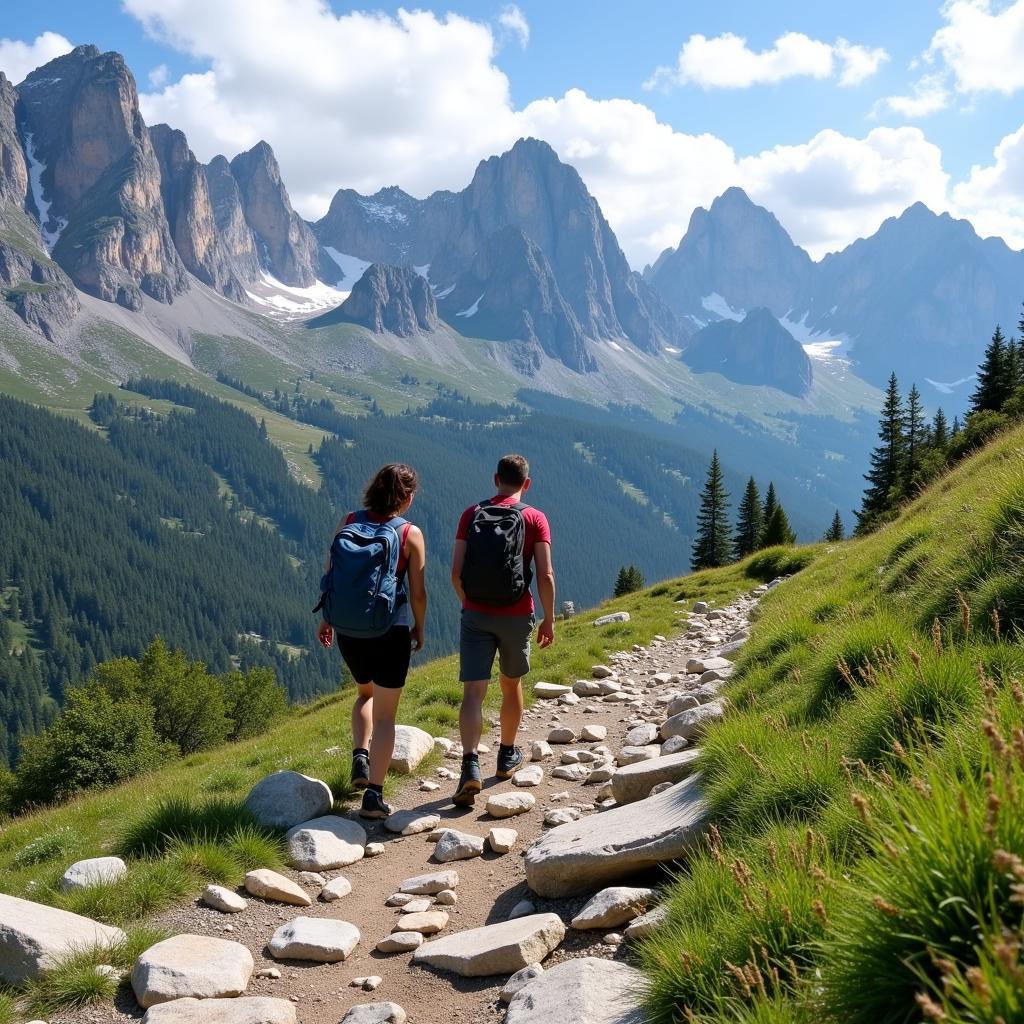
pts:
[242, 1010]
[635, 781]
[284, 799]
[691, 724]
[613, 906]
[34, 937]
[326, 843]
[411, 746]
[584, 855]
[191, 966]
[322, 939]
[95, 871]
[584, 990]
[495, 948]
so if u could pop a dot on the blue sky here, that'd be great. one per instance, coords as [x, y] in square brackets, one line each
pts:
[228, 73]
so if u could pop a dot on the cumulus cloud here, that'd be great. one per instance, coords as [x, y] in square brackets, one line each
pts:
[513, 19]
[158, 76]
[992, 197]
[928, 95]
[727, 62]
[982, 47]
[18, 58]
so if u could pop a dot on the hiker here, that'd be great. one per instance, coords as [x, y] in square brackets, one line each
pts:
[375, 599]
[496, 544]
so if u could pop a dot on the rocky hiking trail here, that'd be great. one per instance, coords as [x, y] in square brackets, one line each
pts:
[426, 917]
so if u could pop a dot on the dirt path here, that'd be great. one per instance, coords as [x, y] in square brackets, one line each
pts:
[489, 886]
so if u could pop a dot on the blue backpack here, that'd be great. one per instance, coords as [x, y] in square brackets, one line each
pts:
[361, 593]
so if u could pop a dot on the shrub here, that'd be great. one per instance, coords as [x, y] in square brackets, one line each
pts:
[254, 701]
[61, 842]
[778, 561]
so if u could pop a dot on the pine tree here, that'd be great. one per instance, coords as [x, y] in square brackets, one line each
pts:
[940, 431]
[777, 529]
[749, 522]
[713, 545]
[837, 531]
[621, 582]
[991, 390]
[915, 434]
[636, 578]
[886, 460]
[1012, 373]
[263, 429]
[954, 431]
[771, 503]
[628, 580]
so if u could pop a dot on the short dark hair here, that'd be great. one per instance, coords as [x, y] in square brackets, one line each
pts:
[513, 470]
[390, 488]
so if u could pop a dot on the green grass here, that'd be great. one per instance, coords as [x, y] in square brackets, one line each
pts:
[868, 860]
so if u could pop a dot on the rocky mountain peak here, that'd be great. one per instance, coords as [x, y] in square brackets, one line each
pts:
[387, 300]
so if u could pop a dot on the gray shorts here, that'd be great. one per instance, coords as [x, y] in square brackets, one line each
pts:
[482, 636]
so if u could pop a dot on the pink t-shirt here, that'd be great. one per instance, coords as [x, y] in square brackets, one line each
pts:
[537, 531]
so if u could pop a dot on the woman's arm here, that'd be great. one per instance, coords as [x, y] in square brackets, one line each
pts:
[416, 555]
[324, 633]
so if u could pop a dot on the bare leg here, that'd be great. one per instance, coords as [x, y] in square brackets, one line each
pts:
[385, 708]
[471, 714]
[362, 716]
[511, 709]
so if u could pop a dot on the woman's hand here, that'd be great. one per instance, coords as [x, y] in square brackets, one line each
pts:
[325, 634]
[416, 633]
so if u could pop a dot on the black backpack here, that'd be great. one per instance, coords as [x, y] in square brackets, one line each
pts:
[494, 571]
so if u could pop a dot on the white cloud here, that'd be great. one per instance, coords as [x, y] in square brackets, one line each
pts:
[513, 19]
[727, 62]
[983, 48]
[929, 94]
[992, 197]
[18, 59]
[158, 76]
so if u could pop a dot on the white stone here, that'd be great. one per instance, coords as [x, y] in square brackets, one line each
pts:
[269, 885]
[642, 735]
[226, 900]
[569, 699]
[327, 842]
[501, 840]
[373, 849]
[411, 746]
[681, 704]
[600, 849]
[507, 805]
[585, 990]
[430, 884]
[562, 734]
[443, 744]
[94, 871]
[311, 878]
[631, 755]
[635, 781]
[571, 772]
[370, 983]
[447, 898]
[455, 845]
[495, 948]
[375, 1013]
[522, 909]
[241, 1010]
[691, 724]
[35, 937]
[602, 773]
[601, 672]
[400, 942]
[617, 698]
[647, 924]
[418, 905]
[540, 751]
[399, 899]
[322, 939]
[613, 906]
[561, 816]
[284, 799]
[519, 980]
[191, 965]
[549, 691]
[607, 620]
[409, 823]
[427, 922]
[606, 687]
[593, 733]
[586, 688]
[335, 889]
[531, 775]
[673, 745]
[429, 787]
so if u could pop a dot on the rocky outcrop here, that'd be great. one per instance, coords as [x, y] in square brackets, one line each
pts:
[755, 350]
[388, 300]
[189, 210]
[236, 239]
[285, 243]
[102, 214]
[509, 293]
[585, 989]
[738, 251]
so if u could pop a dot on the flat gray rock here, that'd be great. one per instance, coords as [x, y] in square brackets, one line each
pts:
[508, 805]
[335, 889]
[375, 1013]
[324, 843]
[607, 620]
[594, 851]
[409, 823]
[34, 937]
[284, 799]
[531, 775]
[519, 980]
[323, 939]
[225, 900]
[691, 724]
[581, 991]
[412, 745]
[633, 755]
[613, 906]
[647, 924]
[243, 1010]
[456, 845]
[95, 871]
[269, 885]
[635, 781]
[400, 942]
[549, 691]
[642, 735]
[495, 948]
[194, 966]
[428, 885]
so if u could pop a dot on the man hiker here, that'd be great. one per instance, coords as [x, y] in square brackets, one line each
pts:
[497, 545]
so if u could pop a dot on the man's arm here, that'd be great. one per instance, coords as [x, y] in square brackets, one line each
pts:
[546, 590]
[417, 554]
[458, 558]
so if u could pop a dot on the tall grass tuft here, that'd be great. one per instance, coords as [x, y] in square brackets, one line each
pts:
[181, 819]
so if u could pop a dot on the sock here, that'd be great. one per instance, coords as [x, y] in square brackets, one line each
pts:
[356, 751]
[379, 790]
[474, 756]
[506, 748]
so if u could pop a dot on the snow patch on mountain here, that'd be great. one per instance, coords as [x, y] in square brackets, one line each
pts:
[444, 294]
[717, 305]
[820, 345]
[471, 310]
[423, 271]
[289, 302]
[352, 267]
[383, 211]
[35, 177]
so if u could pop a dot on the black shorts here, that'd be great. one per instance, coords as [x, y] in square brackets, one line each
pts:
[383, 660]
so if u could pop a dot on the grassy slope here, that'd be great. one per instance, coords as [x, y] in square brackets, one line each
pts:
[868, 783]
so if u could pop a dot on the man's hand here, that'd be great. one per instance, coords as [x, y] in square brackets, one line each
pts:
[325, 634]
[416, 634]
[546, 633]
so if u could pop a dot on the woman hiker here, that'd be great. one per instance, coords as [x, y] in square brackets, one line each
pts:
[375, 599]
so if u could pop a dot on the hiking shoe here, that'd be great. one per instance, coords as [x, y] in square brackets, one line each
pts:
[510, 760]
[469, 783]
[373, 805]
[360, 771]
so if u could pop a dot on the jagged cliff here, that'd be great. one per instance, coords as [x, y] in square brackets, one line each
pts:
[387, 299]
[236, 237]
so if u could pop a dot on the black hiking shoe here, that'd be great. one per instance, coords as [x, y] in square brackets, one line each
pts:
[373, 805]
[510, 760]
[360, 771]
[469, 783]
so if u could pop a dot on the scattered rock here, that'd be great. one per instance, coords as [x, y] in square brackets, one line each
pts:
[540, 751]
[335, 889]
[284, 799]
[691, 724]
[243, 1010]
[548, 691]
[571, 772]
[373, 849]
[327, 842]
[601, 672]
[531, 775]
[426, 786]
[569, 699]
[400, 899]
[585, 990]
[311, 878]
[681, 704]
[606, 687]
[519, 980]
[418, 905]
[607, 620]
[269, 885]
[455, 845]
[411, 746]
[495, 948]
[446, 898]
[375, 1013]
[400, 942]
[586, 688]
[700, 608]
[613, 906]
[616, 698]
[269, 972]
[225, 900]
[642, 735]
[94, 871]
[501, 840]
[507, 805]
[191, 965]
[368, 984]
[599, 849]
[522, 909]
[409, 823]
[426, 923]
[593, 733]
[561, 816]
[323, 939]
[631, 755]
[673, 745]
[427, 885]
[635, 781]
[602, 773]
[562, 734]
[647, 924]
